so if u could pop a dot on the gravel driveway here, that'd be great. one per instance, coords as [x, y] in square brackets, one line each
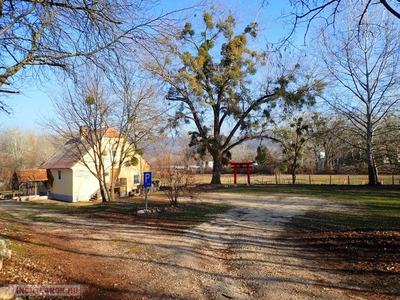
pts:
[239, 255]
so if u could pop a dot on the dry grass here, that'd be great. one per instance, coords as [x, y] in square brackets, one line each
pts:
[301, 179]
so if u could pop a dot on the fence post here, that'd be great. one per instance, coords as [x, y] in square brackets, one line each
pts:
[348, 179]
[330, 179]
[309, 179]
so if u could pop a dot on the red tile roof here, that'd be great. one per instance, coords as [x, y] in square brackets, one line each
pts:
[111, 133]
[25, 175]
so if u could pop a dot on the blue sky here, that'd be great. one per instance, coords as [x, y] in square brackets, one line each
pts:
[34, 102]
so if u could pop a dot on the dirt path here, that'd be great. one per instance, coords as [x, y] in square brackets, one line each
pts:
[239, 255]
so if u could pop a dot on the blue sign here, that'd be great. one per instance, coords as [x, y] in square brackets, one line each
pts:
[147, 179]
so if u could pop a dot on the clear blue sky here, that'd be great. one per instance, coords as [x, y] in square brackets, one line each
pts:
[35, 100]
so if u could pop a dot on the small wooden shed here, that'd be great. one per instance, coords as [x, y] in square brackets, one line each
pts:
[29, 182]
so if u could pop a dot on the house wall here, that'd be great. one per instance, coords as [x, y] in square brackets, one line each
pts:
[129, 173]
[62, 188]
[84, 183]
[125, 172]
[78, 183]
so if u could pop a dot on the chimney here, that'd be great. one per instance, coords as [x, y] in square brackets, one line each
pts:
[83, 130]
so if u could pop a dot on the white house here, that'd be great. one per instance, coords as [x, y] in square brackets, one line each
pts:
[73, 181]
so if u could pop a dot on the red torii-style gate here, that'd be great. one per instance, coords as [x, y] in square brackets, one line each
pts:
[236, 165]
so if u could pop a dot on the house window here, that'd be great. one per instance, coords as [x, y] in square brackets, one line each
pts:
[59, 175]
[136, 179]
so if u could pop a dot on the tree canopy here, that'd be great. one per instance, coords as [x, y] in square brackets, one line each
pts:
[40, 33]
[212, 76]
[307, 11]
[363, 65]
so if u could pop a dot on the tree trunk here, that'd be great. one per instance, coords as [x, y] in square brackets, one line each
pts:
[103, 195]
[293, 177]
[372, 171]
[111, 193]
[372, 175]
[294, 167]
[217, 169]
[106, 194]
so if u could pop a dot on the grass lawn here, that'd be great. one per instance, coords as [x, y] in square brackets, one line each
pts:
[123, 210]
[360, 241]
[368, 208]
[286, 179]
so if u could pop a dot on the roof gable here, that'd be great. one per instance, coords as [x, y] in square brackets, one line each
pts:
[66, 157]
[111, 133]
[73, 150]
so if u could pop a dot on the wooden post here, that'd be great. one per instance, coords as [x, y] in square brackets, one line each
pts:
[234, 174]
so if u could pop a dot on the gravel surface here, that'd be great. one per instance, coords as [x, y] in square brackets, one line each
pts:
[241, 254]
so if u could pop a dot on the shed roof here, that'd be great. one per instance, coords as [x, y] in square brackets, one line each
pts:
[26, 175]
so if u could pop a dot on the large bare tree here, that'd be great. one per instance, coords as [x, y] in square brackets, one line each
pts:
[36, 34]
[127, 105]
[363, 62]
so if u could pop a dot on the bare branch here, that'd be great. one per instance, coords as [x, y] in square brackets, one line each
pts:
[390, 9]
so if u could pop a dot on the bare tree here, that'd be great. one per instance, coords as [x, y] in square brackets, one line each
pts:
[328, 11]
[19, 149]
[363, 63]
[36, 34]
[388, 144]
[327, 142]
[138, 109]
[292, 140]
[92, 104]
[177, 183]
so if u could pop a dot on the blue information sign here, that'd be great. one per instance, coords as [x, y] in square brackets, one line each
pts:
[147, 179]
